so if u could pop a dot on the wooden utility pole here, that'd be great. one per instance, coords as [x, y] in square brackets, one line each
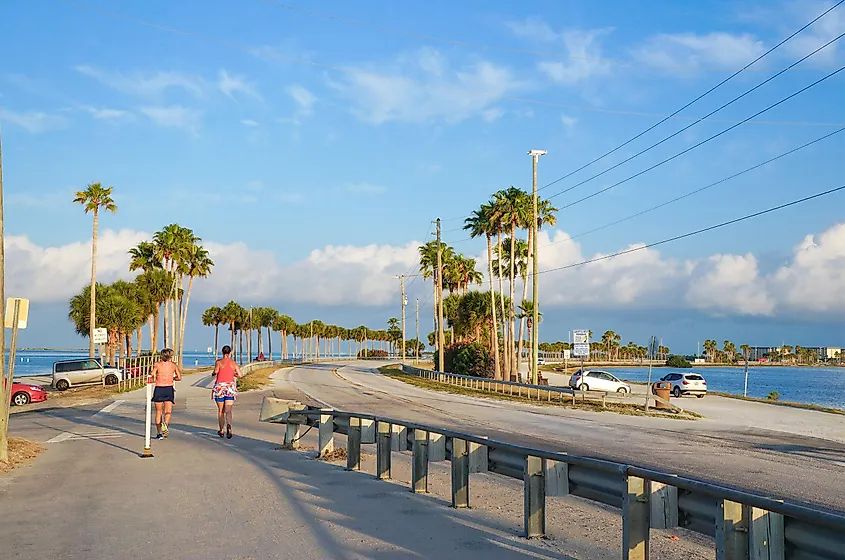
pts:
[439, 295]
[417, 339]
[4, 403]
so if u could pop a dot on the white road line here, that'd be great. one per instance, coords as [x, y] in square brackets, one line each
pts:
[110, 407]
[69, 436]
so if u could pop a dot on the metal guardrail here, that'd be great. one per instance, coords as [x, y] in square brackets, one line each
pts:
[745, 526]
[528, 389]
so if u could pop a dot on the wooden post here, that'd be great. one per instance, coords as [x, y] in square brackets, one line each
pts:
[635, 519]
[731, 531]
[557, 478]
[292, 434]
[326, 434]
[353, 444]
[383, 451]
[460, 473]
[478, 457]
[664, 506]
[766, 536]
[419, 474]
[436, 447]
[534, 512]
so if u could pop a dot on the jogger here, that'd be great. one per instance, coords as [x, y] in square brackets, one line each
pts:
[225, 390]
[164, 374]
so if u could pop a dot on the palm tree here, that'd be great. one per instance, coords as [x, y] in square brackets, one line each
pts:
[481, 222]
[93, 199]
[520, 261]
[710, 349]
[428, 265]
[730, 349]
[156, 284]
[197, 264]
[526, 312]
[212, 317]
[746, 351]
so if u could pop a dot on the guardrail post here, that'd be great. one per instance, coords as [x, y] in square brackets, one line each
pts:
[478, 457]
[635, 519]
[664, 506]
[534, 513]
[326, 434]
[419, 474]
[353, 444]
[731, 531]
[557, 478]
[460, 473]
[293, 432]
[766, 536]
[383, 451]
[368, 430]
[436, 447]
[399, 439]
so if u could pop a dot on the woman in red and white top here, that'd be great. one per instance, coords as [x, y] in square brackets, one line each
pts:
[225, 390]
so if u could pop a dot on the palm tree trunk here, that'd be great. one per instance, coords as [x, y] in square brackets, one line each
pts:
[216, 334]
[494, 333]
[506, 362]
[139, 335]
[185, 318]
[512, 316]
[524, 296]
[269, 343]
[92, 322]
[284, 344]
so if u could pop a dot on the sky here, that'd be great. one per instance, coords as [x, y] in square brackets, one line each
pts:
[311, 145]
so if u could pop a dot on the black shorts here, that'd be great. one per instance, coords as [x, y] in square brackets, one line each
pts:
[163, 394]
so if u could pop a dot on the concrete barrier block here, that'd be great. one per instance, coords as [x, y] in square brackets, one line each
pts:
[557, 478]
[436, 447]
[368, 431]
[477, 457]
[273, 409]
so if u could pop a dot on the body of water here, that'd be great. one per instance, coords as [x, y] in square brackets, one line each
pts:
[40, 362]
[821, 386]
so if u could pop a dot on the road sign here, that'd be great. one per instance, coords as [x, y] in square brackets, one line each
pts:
[581, 336]
[566, 355]
[101, 336]
[23, 313]
[580, 350]
[210, 349]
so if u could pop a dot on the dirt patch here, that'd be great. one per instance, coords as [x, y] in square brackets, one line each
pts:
[258, 379]
[21, 451]
[336, 454]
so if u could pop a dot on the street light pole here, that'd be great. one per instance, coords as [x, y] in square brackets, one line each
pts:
[535, 226]
[4, 403]
[439, 294]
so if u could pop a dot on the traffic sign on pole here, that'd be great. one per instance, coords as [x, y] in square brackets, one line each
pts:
[101, 336]
[581, 336]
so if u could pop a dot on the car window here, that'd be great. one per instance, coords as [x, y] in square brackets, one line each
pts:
[673, 377]
[695, 377]
[606, 376]
[90, 364]
[596, 374]
[612, 377]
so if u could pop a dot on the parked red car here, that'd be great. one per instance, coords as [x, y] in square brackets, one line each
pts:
[25, 393]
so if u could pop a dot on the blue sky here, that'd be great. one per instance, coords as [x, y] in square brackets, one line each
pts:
[291, 133]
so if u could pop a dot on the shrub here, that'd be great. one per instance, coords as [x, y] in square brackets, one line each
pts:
[365, 353]
[773, 396]
[678, 362]
[467, 359]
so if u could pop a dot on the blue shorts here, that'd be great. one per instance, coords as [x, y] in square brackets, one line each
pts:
[224, 399]
[163, 394]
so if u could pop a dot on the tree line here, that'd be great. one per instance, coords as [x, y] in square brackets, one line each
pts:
[312, 340]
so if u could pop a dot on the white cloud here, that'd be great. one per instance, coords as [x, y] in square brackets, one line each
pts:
[304, 98]
[230, 85]
[820, 33]
[33, 121]
[533, 29]
[108, 114]
[717, 49]
[810, 283]
[145, 85]
[174, 116]
[422, 86]
[568, 122]
[249, 122]
[583, 47]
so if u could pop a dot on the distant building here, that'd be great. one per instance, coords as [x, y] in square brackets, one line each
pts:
[823, 353]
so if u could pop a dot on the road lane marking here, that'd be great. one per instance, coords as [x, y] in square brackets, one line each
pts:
[75, 436]
[110, 407]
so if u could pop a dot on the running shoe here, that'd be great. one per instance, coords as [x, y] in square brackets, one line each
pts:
[159, 436]
[164, 431]
[228, 431]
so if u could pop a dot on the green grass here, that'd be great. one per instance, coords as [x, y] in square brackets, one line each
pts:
[257, 379]
[394, 372]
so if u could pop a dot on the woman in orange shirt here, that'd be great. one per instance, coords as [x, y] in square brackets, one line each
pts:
[165, 373]
[225, 390]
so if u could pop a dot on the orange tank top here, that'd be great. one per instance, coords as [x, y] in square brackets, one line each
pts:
[226, 373]
[165, 374]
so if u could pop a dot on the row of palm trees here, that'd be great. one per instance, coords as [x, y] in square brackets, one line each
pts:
[785, 354]
[503, 218]
[312, 340]
[609, 348]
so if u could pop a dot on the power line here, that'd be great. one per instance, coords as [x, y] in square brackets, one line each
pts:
[527, 100]
[697, 232]
[461, 43]
[772, 106]
[709, 91]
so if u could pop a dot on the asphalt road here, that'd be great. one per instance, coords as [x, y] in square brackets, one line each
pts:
[742, 454]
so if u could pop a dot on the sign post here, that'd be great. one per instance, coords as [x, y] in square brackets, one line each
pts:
[581, 345]
[15, 317]
[652, 349]
[147, 451]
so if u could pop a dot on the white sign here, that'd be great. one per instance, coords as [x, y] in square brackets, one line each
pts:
[581, 336]
[23, 313]
[210, 349]
[101, 336]
[566, 355]
[580, 350]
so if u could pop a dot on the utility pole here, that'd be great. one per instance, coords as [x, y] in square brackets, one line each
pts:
[4, 403]
[417, 339]
[439, 294]
[535, 226]
[404, 302]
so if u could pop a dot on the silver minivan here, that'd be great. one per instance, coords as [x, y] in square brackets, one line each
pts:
[68, 373]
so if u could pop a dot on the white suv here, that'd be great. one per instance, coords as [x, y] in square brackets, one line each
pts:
[88, 370]
[686, 384]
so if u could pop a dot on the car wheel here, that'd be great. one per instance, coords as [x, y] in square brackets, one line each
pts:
[677, 392]
[62, 385]
[584, 387]
[622, 390]
[111, 379]
[20, 399]
[700, 396]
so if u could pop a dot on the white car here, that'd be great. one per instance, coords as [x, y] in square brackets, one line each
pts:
[77, 372]
[598, 380]
[686, 384]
